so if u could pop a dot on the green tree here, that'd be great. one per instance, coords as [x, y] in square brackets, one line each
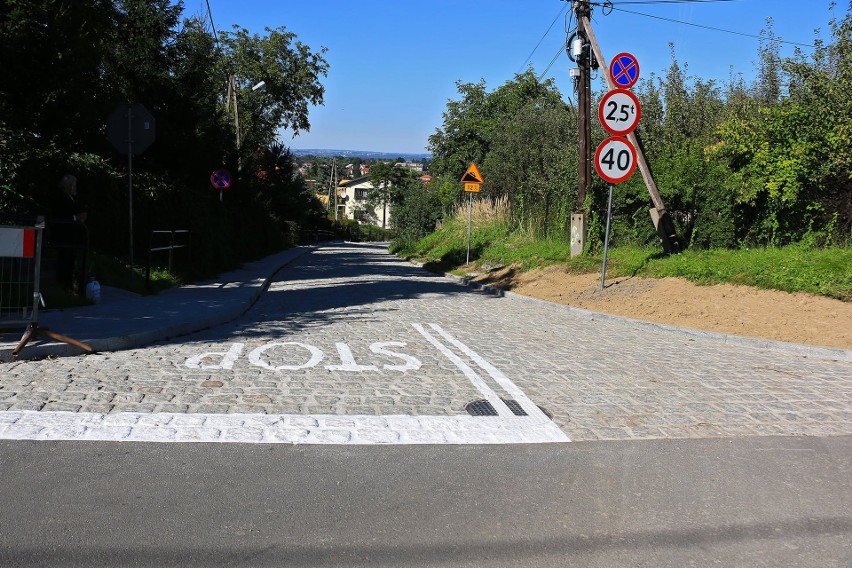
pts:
[518, 133]
[66, 65]
[531, 163]
[291, 72]
[388, 181]
[789, 161]
[417, 213]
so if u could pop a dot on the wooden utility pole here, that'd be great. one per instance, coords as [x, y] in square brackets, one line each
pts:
[659, 216]
[584, 123]
[331, 188]
[334, 175]
[580, 53]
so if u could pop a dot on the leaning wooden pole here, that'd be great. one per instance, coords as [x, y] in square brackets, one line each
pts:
[660, 217]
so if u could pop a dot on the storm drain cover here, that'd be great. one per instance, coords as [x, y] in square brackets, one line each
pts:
[480, 408]
[485, 408]
[515, 407]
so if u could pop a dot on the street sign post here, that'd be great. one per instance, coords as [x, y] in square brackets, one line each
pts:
[624, 70]
[472, 181]
[131, 129]
[221, 180]
[615, 160]
[619, 112]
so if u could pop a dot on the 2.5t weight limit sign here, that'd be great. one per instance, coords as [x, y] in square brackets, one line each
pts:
[619, 112]
[615, 159]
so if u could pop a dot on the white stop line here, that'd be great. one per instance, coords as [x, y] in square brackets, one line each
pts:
[505, 428]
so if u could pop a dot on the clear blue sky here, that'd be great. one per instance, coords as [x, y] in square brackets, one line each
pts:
[393, 65]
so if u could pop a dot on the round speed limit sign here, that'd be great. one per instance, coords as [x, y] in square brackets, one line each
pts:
[619, 112]
[615, 159]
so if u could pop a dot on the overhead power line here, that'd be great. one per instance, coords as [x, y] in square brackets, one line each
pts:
[615, 2]
[552, 61]
[569, 22]
[561, 11]
[210, 14]
[703, 26]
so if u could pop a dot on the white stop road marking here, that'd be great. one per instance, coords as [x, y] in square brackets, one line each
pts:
[505, 428]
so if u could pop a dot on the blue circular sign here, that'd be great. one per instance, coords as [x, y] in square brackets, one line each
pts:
[624, 70]
[221, 179]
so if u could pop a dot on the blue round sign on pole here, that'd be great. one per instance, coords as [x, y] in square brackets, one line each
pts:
[624, 70]
[221, 179]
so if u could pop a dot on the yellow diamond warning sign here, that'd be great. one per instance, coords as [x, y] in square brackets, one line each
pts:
[472, 175]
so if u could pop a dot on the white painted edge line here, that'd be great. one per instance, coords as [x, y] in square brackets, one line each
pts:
[505, 383]
[276, 429]
[486, 391]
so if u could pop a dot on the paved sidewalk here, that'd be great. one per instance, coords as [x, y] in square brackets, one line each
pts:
[124, 320]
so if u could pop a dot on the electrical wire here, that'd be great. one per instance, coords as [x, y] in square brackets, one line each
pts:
[552, 61]
[521, 68]
[651, 2]
[210, 14]
[569, 23]
[703, 26]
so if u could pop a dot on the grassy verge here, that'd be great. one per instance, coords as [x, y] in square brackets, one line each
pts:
[825, 272]
[110, 271]
[113, 272]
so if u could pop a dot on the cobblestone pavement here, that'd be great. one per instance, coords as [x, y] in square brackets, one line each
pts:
[350, 331]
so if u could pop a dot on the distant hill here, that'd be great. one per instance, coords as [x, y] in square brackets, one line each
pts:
[363, 154]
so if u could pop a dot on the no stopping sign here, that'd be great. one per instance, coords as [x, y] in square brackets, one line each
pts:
[220, 179]
[615, 159]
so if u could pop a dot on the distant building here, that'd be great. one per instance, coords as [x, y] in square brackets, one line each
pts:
[355, 195]
[413, 166]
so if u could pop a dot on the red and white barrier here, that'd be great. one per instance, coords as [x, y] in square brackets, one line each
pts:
[17, 243]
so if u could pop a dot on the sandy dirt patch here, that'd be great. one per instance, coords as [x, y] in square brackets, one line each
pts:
[724, 308]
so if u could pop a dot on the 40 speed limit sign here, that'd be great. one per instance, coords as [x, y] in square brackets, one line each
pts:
[615, 159]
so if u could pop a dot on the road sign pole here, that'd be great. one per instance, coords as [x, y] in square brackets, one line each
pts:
[606, 236]
[472, 180]
[665, 229]
[469, 223]
[130, 183]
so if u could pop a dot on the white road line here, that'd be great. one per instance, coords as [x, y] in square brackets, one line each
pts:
[275, 428]
[511, 388]
[501, 408]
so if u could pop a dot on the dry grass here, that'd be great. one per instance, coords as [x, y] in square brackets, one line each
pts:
[484, 212]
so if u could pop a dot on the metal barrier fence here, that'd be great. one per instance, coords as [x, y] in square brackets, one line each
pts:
[178, 239]
[20, 276]
[313, 237]
[20, 272]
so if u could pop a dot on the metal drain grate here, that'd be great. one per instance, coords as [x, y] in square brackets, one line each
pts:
[480, 408]
[484, 408]
[515, 407]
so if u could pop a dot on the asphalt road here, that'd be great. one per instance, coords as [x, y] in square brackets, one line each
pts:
[744, 502]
